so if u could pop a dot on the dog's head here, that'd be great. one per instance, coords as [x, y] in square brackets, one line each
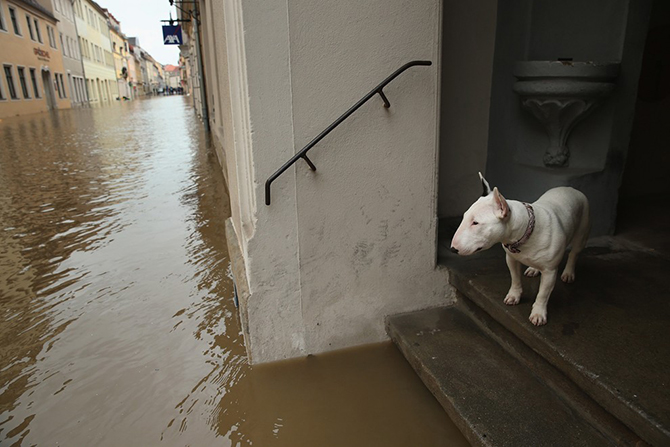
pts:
[483, 223]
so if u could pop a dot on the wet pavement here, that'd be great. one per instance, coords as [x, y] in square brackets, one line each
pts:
[117, 324]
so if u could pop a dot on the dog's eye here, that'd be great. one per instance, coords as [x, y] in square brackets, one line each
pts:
[474, 222]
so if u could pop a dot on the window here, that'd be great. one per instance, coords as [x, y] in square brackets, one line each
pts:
[69, 11]
[33, 79]
[74, 50]
[2, 92]
[10, 82]
[60, 86]
[3, 24]
[37, 30]
[22, 81]
[56, 84]
[30, 27]
[69, 84]
[15, 22]
[62, 46]
[51, 36]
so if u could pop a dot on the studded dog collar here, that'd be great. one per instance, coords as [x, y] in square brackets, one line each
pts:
[514, 247]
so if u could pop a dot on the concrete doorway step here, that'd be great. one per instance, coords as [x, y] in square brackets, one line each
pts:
[597, 374]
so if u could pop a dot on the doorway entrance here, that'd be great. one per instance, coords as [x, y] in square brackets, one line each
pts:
[49, 93]
[644, 204]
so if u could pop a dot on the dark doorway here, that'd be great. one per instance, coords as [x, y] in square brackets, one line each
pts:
[644, 204]
[49, 90]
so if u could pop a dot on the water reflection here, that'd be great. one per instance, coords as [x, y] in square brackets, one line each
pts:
[117, 325]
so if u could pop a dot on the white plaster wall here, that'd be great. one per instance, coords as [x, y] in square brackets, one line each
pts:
[366, 219]
[262, 114]
[340, 248]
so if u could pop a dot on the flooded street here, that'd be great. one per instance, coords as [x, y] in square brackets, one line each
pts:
[117, 322]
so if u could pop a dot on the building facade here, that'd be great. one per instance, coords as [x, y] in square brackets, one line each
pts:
[133, 71]
[33, 77]
[121, 53]
[96, 49]
[143, 85]
[188, 57]
[155, 75]
[68, 43]
[335, 250]
[172, 78]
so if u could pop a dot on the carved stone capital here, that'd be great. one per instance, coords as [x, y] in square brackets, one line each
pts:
[559, 116]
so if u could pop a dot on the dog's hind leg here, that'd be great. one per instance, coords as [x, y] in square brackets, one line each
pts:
[578, 244]
[531, 272]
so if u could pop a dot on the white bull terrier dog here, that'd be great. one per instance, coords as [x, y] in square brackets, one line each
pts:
[534, 234]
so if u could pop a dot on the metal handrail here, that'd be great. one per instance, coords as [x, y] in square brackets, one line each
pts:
[303, 152]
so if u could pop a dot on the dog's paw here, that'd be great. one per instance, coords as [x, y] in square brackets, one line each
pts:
[538, 318]
[531, 272]
[512, 299]
[568, 277]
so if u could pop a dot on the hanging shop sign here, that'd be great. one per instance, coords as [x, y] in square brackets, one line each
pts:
[172, 35]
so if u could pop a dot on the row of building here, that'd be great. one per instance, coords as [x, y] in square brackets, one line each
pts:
[57, 54]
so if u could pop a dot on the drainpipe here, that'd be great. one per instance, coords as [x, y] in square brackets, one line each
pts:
[201, 78]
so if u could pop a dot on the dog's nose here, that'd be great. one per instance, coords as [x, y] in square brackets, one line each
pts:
[454, 250]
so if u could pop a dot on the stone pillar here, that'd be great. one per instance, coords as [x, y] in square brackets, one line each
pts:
[342, 247]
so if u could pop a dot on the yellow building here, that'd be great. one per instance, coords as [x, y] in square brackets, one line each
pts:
[96, 50]
[121, 56]
[32, 77]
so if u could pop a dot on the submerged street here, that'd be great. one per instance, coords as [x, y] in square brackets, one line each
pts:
[117, 320]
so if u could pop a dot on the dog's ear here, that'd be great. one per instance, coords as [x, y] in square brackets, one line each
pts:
[486, 189]
[501, 209]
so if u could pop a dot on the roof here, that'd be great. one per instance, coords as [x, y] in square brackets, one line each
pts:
[170, 68]
[112, 16]
[34, 5]
[100, 9]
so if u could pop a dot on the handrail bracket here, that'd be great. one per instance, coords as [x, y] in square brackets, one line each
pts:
[387, 104]
[309, 162]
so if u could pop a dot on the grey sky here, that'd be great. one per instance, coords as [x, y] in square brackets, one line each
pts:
[141, 18]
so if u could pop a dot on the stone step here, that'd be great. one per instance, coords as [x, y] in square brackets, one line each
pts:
[493, 399]
[568, 391]
[607, 332]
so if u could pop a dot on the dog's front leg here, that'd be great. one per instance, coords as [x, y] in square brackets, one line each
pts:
[514, 294]
[538, 314]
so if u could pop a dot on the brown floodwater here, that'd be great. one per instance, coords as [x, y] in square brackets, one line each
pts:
[117, 321]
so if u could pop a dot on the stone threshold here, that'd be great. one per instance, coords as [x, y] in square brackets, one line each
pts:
[607, 333]
[492, 398]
